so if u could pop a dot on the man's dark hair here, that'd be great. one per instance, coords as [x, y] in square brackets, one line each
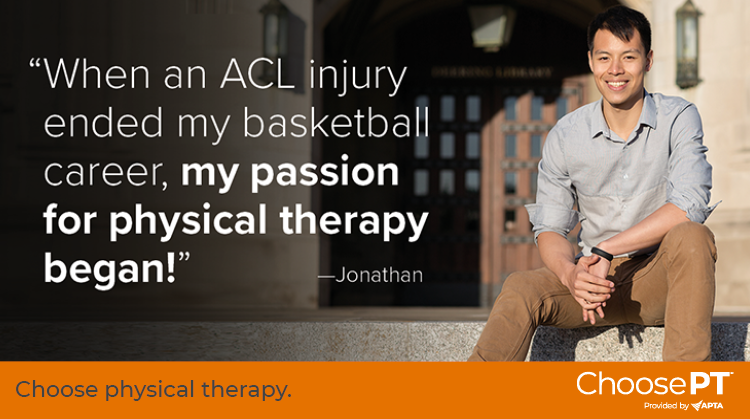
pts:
[621, 21]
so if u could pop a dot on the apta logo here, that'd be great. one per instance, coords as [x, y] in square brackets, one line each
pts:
[700, 405]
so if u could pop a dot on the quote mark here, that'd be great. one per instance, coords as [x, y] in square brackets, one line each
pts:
[33, 63]
[170, 263]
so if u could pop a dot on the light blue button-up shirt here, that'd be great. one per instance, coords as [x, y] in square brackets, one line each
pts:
[618, 183]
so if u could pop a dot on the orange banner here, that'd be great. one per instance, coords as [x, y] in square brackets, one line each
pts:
[371, 390]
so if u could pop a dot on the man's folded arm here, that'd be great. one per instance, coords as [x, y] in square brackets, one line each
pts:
[689, 179]
[552, 216]
[649, 232]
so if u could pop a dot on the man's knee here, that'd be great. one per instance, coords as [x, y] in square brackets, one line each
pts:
[690, 239]
[516, 282]
[519, 286]
[692, 230]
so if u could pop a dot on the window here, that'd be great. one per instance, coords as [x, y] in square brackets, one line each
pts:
[421, 182]
[447, 182]
[536, 145]
[472, 145]
[510, 108]
[510, 145]
[537, 102]
[510, 183]
[472, 181]
[447, 145]
[510, 220]
[472, 220]
[473, 108]
[447, 108]
[421, 147]
[562, 106]
[534, 179]
[447, 215]
[422, 102]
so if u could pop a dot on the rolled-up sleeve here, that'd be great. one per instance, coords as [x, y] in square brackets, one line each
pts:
[555, 198]
[689, 178]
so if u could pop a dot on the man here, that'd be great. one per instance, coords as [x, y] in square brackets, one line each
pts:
[635, 165]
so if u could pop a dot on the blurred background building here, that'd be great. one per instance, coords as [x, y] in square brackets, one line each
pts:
[495, 75]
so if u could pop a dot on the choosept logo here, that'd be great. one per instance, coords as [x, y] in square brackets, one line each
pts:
[700, 405]
[590, 383]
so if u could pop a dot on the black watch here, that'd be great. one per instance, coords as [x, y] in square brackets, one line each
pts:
[602, 253]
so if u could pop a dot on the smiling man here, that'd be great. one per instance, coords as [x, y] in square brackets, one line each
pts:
[634, 163]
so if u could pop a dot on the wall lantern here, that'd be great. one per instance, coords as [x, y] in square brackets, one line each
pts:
[275, 31]
[492, 25]
[687, 45]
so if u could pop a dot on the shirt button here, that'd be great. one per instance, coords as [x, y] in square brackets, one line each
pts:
[625, 177]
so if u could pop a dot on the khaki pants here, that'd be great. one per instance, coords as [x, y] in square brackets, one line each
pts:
[673, 287]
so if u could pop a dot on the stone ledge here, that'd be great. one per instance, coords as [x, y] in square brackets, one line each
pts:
[331, 341]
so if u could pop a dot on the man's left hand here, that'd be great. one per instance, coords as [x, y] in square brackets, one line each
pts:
[600, 268]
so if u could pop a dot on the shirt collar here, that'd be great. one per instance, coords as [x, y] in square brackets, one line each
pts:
[598, 123]
[648, 116]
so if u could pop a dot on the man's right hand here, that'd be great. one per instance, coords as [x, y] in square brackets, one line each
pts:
[590, 290]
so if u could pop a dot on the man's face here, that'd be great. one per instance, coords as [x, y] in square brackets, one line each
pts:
[619, 68]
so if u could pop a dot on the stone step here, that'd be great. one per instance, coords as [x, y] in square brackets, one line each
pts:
[331, 341]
